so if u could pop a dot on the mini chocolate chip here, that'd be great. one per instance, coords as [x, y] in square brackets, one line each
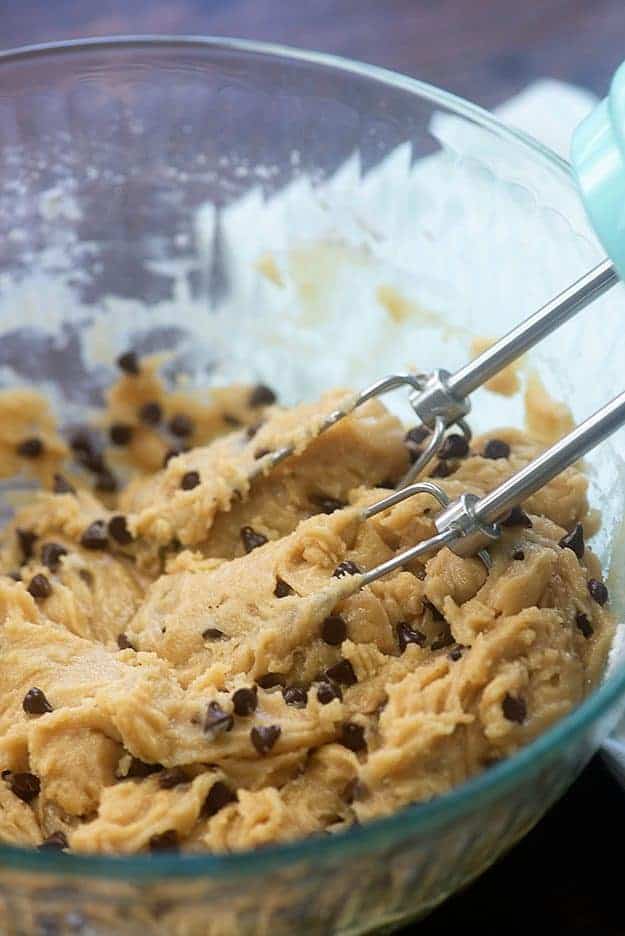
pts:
[407, 635]
[231, 420]
[190, 480]
[118, 529]
[82, 442]
[165, 841]
[355, 791]
[252, 539]
[264, 737]
[106, 482]
[347, 567]
[169, 779]
[213, 633]
[139, 769]
[436, 614]
[583, 624]
[123, 643]
[128, 362]
[95, 536]
[327, 692]
[443, 640]
[216, 720]
[151, 413]
[86, 575]
[261, 452]
[120, 433]
[454, 445]
[251, 431]
[51, 555]
[39, 586]
[245, 701]
[169, 454]
[30, 448]
[27, 540]
[270, 680]
[514, 708]
[282, 589]
[517, 517]
[218, 796]
[456, 653]
[25, 786]
[334, 630]
[496, 448]
[93, 461]
[518, 554]
[261, 395]
[180, 425]
[55, 842]
[417, 434]
[574, 540]
[342, 672]
[327, 505]
[442, 469]
[16, 576]
[295, 696]
[62, 486]
[36, 703]
[598, 591]
[353, 737]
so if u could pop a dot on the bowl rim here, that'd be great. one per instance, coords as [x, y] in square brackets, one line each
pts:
[472, 794]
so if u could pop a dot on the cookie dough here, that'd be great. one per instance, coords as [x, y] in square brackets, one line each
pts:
[187, 659]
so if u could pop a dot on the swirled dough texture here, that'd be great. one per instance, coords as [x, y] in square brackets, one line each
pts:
[189, 661]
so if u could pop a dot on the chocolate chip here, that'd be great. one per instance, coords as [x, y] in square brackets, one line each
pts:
[598, 591]
[517, 517]
[62, 486]
[583, 624]
[245, 701]
[55, 842]
[213, 633]
[270, 680]
[169, 779]
[454, 445]
[86, 576]
[39, 586]
[251, 431]
[443, 640]
[334, 630]
[81, 441]
[514, 708]
[218, 796]
[118, 529]
[574, 540]
[442, 469]
[355, 791]
[123, 643]
[51, 555]
[27, 540]
[30, 448]
[106, 482]
[261, 452]
[25, 786]
[36, 703]
[190, 480]
[261, 395]
[518, 554]
[407, 635]
[180, 425]
[120, 433]
[252, 539]
[165, 841]
[216, 720]
[347, 567]
[151, 413]
[417, 435]
[264, 737]
[327, 692]
[456, 653]
[496, 448]
[138, 769]
[436, 614]
[128, 362]
[353, 737]
[16, 576]
[169, 454]
[231, 420]
[94, 462]
[327, 505]
[95, 536]
[342, 672]
[282, 589]
[295, 696]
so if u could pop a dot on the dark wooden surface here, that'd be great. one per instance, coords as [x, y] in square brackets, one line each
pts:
[566, 875]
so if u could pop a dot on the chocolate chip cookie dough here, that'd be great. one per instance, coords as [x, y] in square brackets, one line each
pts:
[187, 659]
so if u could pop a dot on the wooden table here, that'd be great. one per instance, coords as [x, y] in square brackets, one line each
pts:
[565, 875]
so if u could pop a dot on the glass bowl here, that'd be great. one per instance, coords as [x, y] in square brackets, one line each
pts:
[250, 209]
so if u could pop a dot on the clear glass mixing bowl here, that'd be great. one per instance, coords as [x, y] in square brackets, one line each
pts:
[240, 205]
